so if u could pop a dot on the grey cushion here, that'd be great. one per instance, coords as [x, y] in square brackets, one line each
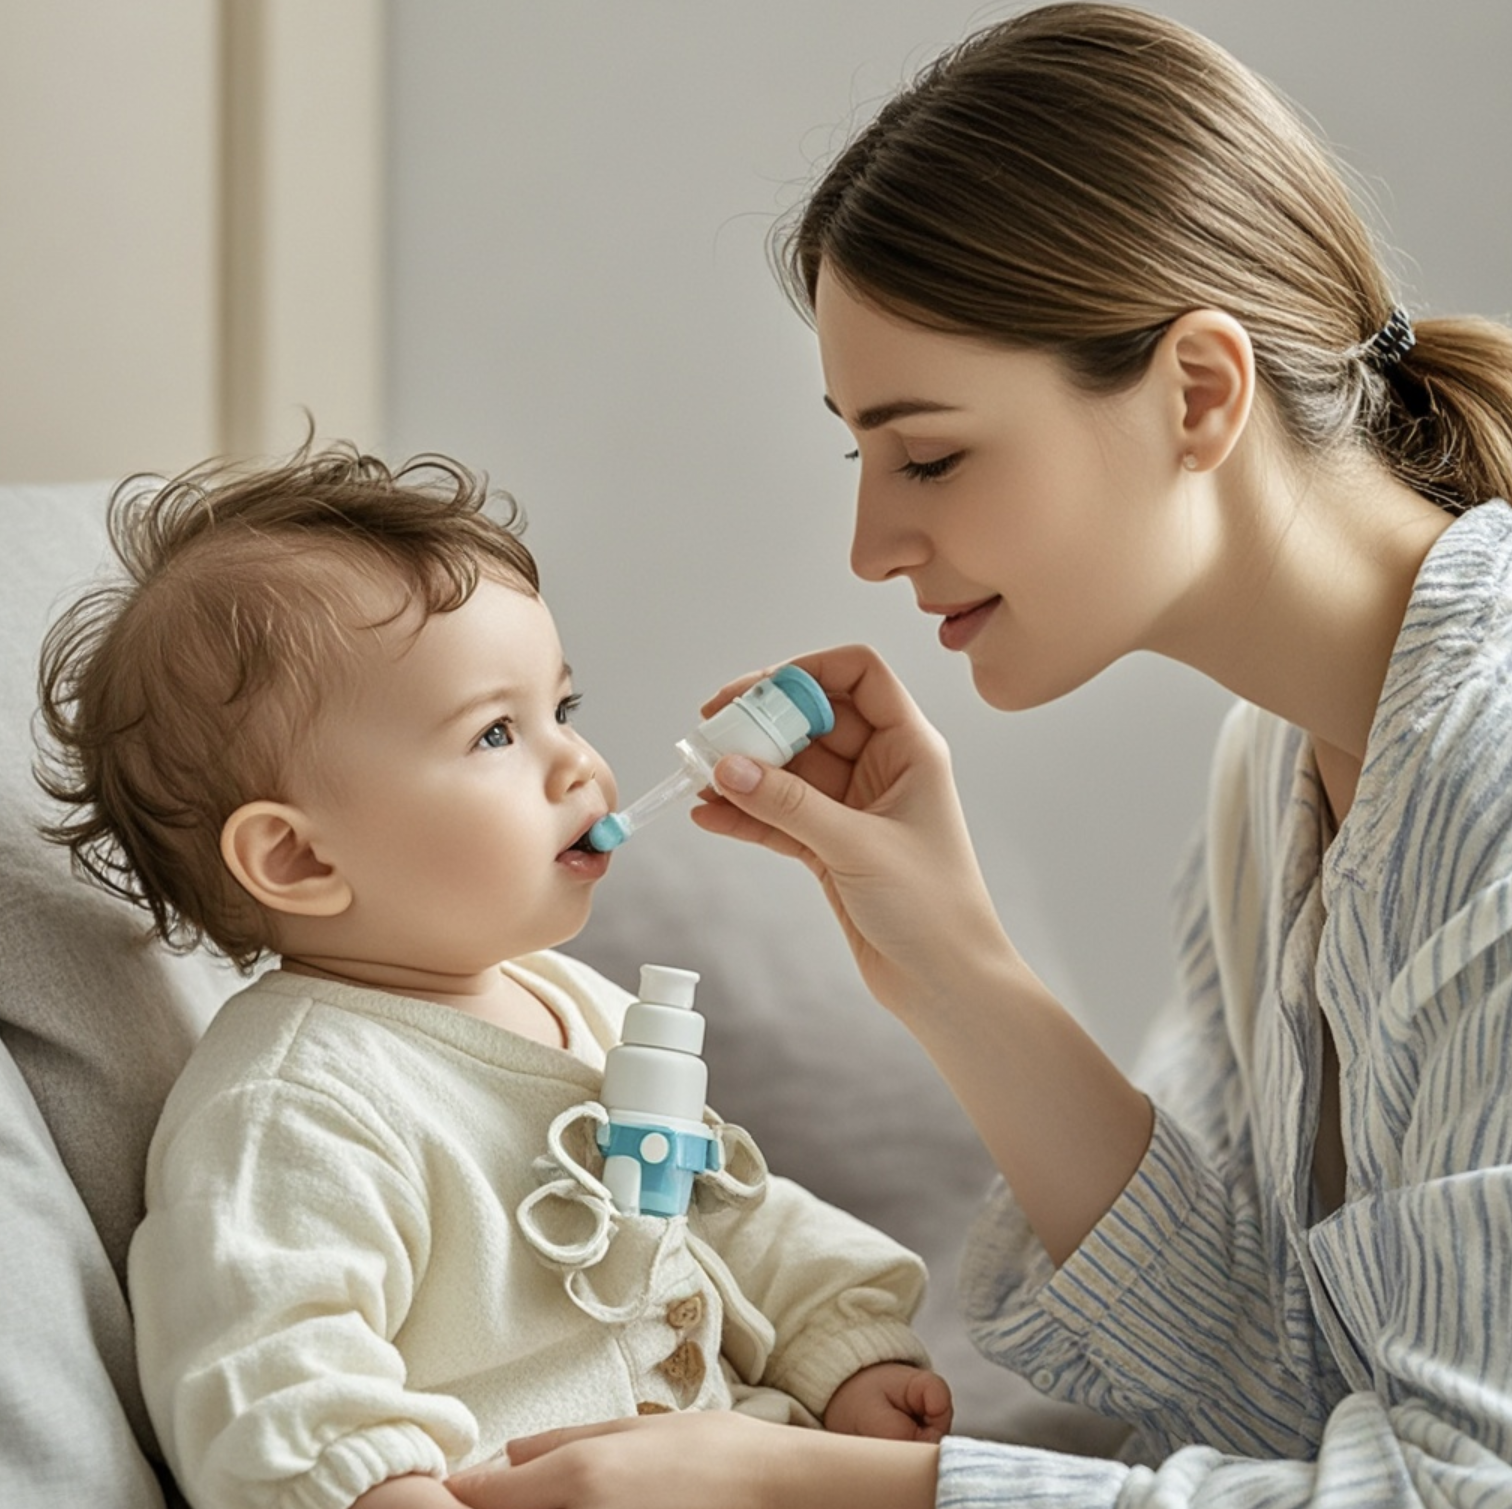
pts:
[71, 1409]
[97, 1024]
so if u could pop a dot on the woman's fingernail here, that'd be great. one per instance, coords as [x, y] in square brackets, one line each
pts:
[737, 773]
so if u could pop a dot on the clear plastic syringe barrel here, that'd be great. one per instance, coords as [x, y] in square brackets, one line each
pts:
[772, 721]
[612, 831]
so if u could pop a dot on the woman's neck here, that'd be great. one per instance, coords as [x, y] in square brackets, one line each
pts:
[1306, 601]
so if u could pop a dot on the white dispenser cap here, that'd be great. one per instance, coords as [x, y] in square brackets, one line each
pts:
[663, 1017]
[661, 985]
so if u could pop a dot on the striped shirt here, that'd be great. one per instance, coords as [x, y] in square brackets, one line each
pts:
[1265, 1353]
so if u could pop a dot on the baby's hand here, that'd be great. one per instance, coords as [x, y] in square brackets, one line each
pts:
[894, 1400]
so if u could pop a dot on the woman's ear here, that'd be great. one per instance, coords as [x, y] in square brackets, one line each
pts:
[267, 847]
[1211, 363]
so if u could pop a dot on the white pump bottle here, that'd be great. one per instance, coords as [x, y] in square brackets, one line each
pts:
[655, 1084]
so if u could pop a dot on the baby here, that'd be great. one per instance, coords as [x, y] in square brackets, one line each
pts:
[326, 717]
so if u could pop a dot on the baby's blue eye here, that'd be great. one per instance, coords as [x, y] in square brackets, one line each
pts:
[497, 735]
[567, 707]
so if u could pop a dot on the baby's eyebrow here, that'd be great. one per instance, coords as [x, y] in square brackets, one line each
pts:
[500, 692]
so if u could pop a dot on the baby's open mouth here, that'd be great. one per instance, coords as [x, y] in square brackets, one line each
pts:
[583, 846]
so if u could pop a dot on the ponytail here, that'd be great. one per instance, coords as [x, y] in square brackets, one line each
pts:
[1445, 427]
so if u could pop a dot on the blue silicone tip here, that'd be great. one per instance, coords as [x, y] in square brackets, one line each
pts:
[808, 696]
[608, 833]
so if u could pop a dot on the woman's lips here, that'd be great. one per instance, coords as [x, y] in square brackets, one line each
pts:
[962, 625]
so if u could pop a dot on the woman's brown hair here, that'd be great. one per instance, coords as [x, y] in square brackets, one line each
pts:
[179, 690]
[1075, 178]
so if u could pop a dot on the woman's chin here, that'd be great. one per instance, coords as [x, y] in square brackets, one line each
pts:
[1012, 691]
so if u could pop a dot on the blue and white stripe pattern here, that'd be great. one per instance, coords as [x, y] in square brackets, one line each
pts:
[1268, 1354]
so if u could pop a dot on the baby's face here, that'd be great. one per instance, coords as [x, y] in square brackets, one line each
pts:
[452, 786]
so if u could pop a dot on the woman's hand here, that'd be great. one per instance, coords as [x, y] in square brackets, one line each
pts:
[698, 1461]
[872, 810]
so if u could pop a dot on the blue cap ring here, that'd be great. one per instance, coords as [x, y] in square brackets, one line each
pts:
[808, 697]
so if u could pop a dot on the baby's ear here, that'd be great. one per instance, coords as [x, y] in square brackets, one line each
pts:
[267, 847]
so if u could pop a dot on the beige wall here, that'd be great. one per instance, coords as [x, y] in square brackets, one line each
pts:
[108, 205]
[190, 229]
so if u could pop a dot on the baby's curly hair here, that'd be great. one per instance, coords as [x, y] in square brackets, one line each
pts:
[173, 694]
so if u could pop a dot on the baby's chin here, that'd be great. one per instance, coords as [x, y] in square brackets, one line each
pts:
[569, 930]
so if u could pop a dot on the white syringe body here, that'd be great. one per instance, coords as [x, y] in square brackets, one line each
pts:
[771, 722]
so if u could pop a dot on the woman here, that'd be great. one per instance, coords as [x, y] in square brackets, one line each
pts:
[1124, 373]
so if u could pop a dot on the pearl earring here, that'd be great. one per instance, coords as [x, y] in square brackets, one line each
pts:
[1189, 461]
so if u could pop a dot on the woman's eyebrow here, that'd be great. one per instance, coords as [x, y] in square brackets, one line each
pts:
[885, 413]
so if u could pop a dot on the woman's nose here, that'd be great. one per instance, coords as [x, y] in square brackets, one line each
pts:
[883, 544]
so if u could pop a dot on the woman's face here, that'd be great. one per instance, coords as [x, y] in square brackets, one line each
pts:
[1051, 531]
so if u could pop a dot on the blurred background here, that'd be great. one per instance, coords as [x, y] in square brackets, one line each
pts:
[534, 235]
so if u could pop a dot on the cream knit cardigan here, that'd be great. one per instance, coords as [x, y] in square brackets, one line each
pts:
[376, 1244]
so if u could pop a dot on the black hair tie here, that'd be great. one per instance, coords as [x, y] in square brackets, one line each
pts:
[1390, 343]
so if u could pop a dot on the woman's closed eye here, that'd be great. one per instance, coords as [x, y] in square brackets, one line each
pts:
[921, 471]
[930, 471]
